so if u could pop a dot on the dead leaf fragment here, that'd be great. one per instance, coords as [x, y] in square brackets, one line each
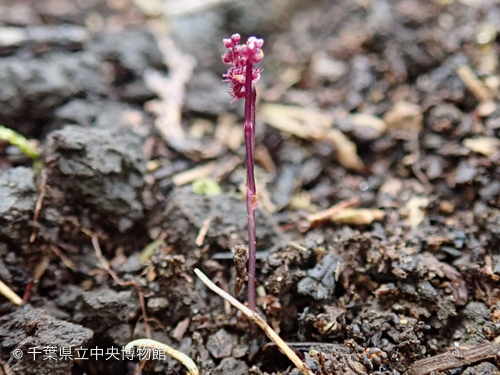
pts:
[153, 8]
[196, 173]
[181, 329]
[482, 145]
[416, 210]
[484, 109]
[358, 216]
[313, 125]
[363, 120]
[388, 193]
[300, 200]
[404, 116]
[323, 216]
[346, 151]
[306, 118]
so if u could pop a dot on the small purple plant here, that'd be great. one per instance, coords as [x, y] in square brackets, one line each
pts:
[241, 77]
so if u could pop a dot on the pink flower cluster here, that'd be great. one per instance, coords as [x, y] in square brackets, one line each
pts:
[241, 57]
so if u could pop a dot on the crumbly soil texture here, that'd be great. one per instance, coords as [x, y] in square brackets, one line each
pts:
[385, 113]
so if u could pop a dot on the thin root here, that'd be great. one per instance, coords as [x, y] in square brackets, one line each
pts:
[152, 344]
[10, 294]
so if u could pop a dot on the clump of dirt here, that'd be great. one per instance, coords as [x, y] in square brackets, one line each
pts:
[30, 331]
[99, 113]
[18, 198]
[130, 53]
[33, 88]
[105, 167]
[105, 308]
[223, 216]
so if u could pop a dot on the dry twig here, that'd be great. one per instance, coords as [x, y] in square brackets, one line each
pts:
[196, 173]
[253, 316]
[203, 231]
[474, 84]
[358, 216]
[325, 215]
[453, 359]
[170, 89]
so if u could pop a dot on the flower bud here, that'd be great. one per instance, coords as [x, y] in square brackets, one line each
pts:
[244, 51]
[257, 56]
[227, 57]
[251, 43]
[228, 43]
[259, 43]
[236, 38]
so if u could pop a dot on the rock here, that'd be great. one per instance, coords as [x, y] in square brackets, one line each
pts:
[157, 304]
[220, 344]
[328, 68]
[465, 173]
[427, 291]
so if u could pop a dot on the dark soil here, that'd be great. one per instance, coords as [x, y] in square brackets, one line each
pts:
[409, 285]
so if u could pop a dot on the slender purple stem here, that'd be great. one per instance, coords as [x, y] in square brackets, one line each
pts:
[241, 77]
[251, 191]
